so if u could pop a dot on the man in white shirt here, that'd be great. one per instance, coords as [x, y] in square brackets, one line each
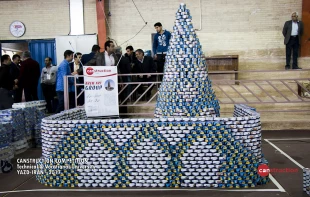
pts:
[106, 58]
[292, 32]
[48, 83]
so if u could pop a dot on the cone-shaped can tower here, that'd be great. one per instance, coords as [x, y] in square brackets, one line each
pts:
[186, 89]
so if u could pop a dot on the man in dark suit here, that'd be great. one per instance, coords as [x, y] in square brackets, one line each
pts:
[144, 64]
[29, 77]
[87, 57]
[106, 58]
[124, 68]
[292, 32]
[15, 68]
[6, 83]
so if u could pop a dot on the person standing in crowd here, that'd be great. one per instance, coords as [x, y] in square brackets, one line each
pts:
[64, 70]
[145, 64]
[130, 54]
[6, 83]
[15, 70]
[87, 57]
[76, 65]
[106, 58]
[292, 32]
[48, 83]
[77, 69]
[29, 76]
[124, 68]
[160, 47]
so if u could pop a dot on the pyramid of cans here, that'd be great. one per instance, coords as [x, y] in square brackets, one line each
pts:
[306, 180]
[186, 89]
[164, 152]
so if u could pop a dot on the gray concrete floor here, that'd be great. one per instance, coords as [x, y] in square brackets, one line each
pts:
[297, 149]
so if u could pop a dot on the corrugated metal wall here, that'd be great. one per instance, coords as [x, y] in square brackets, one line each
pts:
[40, 49]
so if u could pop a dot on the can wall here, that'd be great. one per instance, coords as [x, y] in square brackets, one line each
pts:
[170, 152]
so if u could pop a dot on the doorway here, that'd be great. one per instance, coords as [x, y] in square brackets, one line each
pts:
[40, 49]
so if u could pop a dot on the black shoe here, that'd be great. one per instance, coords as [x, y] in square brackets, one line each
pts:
[297, 68]
[287, 67]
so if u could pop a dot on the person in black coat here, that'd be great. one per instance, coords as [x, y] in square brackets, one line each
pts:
[144, 64]
[130, 54]
[29, 76]
[15, 69]
[6, 83]
[87, 57]
[124, 68]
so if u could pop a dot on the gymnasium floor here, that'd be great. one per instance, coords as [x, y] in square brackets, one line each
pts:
[283, 149]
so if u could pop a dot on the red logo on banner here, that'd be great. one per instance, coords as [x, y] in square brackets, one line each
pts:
[90, 71]
[263, 170]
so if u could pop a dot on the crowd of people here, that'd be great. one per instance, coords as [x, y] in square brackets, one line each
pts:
[22, 74]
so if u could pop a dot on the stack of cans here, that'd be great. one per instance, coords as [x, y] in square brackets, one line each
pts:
[34, 112]
[56, 127]
[16, 118]
[20, 146]
[246, 127]
[29, 113]
[306, 180]
[39, 104]
[5, 134]
[186, 89]
[6, 151]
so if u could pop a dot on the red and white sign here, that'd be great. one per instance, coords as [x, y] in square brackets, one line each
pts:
[263, 170]
[101, 91]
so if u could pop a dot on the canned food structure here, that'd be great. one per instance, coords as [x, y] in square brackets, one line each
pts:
[306, 180]
[187, 144]
[186, 88]
[17, 125]
[165, 152]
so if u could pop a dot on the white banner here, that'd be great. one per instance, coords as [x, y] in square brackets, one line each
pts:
[101, 91]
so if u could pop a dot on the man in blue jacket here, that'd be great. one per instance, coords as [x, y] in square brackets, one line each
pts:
[160, 46]
[64, 70]
[87, 57]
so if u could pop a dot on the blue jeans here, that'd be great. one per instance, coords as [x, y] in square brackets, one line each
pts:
[61, 101]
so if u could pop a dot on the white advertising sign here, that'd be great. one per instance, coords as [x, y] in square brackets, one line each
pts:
[101, 91]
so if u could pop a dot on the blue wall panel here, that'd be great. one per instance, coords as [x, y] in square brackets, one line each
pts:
[40, 49]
